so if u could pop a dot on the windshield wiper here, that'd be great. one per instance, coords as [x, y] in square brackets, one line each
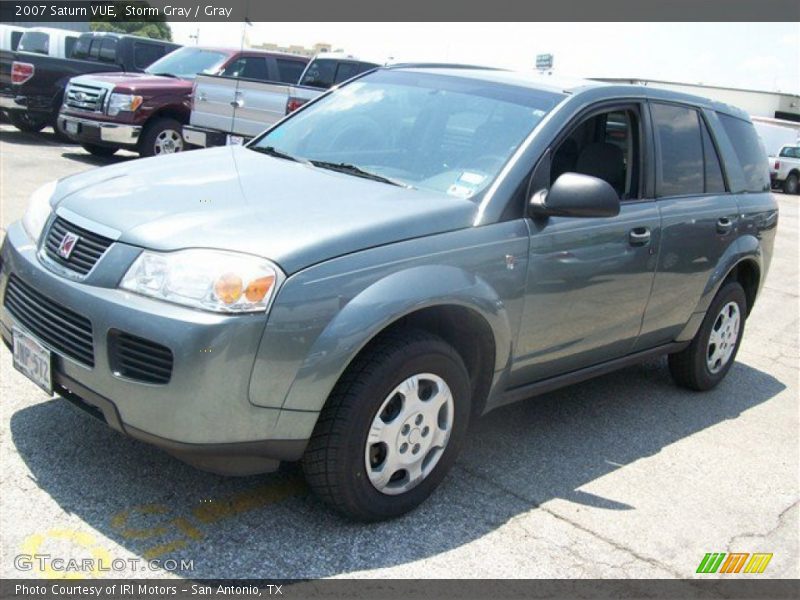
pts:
[272, 151]
[358, 172]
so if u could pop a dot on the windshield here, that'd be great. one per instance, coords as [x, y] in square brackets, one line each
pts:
[442, 133]
[187, 63]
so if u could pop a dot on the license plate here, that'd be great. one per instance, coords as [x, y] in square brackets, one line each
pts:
[33, 359]
[235, 140]
[71, 127]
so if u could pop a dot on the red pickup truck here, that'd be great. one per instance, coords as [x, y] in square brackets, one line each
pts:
[146, 112]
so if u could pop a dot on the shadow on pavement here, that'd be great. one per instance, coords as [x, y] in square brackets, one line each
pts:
[12, 135]
[271, 526]
[97, 161]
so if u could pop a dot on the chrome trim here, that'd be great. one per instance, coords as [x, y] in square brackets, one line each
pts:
[194, 136]
[7, 101]
[109, 132]
[523, 147]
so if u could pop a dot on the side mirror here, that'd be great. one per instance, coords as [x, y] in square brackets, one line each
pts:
[576, 195]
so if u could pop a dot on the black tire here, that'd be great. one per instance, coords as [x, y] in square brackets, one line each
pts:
[27, 122]
[334, 462]
[101, 151]
[148, 143]
[790, 184]
[689, 368]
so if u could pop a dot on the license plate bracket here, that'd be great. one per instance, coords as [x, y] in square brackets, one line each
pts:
[235, 140]
[32, 359]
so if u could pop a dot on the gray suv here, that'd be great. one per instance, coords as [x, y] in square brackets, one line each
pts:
[393, 260]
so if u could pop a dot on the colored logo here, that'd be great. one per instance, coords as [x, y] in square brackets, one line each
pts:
[735, 562]
[67, 244]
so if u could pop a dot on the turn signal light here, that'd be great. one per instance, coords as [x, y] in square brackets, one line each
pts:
[258, 288]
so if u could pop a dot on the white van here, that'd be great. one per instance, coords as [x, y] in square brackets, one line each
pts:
[10, 36]
[49, 41]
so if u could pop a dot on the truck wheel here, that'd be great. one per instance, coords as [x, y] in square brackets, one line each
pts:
[790, 184]
[391, 428]
[162, 136]
[25, 121]
[713, 350]
[102, 151]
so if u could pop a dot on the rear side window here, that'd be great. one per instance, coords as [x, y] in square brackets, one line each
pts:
[35, 41]
[16, 36]
[81, 49]
[750, 152]
[69, 45]
[347, 70]
[790, 152]
[146, 54]
[108, 50]
[714, 183]
[680, 168]
[248, 67]
[289, 71]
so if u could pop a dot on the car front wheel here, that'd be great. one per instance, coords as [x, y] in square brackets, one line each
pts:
[790, 184]
[391, 428]
[706, 361]
[162, 136]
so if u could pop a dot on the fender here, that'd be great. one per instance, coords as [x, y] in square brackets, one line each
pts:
[380, 305]
[745, 248]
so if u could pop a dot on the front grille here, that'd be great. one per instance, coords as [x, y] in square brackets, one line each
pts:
[87, 251]
[85, 97]
[137, 358]
[63, 330]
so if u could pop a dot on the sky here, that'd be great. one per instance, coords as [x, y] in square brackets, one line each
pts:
[762, 56]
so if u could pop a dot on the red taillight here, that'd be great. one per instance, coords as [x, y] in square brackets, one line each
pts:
[777, 165]
[21, 72]
[292, 104]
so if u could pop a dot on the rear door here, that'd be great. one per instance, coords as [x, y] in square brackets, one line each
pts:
[699, 217]
[213, 102]
[258, 100]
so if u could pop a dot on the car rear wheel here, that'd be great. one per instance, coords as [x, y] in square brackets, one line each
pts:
[162, 136]
[391, 428]
[102, 151]
[25, 121]
[706, 361]
[790, 184]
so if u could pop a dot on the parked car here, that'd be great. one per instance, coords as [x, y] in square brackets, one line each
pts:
[234, 107]
[147, 112]
[785, 169]
[35, 92]
[361, 281]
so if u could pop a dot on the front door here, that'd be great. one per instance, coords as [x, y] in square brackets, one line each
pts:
[589, 279]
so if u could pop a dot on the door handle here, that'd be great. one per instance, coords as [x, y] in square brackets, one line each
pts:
[724, 225]
[639, 236]
[236, 104]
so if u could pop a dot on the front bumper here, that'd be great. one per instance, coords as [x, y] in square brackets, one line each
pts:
[92, 131]
[203, 414]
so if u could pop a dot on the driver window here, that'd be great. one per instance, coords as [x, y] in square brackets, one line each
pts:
[605, 146]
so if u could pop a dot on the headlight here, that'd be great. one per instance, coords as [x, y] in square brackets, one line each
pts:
[38, 210]
[212, 280]
[118, 102]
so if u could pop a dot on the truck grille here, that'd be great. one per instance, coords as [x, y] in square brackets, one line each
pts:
[85, 97]
[63, 330]
[86, 252]
[140, 359]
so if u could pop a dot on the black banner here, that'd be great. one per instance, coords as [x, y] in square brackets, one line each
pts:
[407, 10]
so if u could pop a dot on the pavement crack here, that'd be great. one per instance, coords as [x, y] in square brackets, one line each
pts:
[756, 534]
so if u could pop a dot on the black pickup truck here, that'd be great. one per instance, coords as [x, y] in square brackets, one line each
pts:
[32, 89]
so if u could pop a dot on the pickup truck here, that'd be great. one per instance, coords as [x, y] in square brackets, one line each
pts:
[785, 169]
[360, 282]
[232, 109]
[33, 93]
[146, 112]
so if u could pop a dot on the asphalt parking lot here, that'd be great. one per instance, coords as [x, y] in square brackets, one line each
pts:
[623, 476]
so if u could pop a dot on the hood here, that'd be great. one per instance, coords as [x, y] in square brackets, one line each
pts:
[137, 82]
[236, 199]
